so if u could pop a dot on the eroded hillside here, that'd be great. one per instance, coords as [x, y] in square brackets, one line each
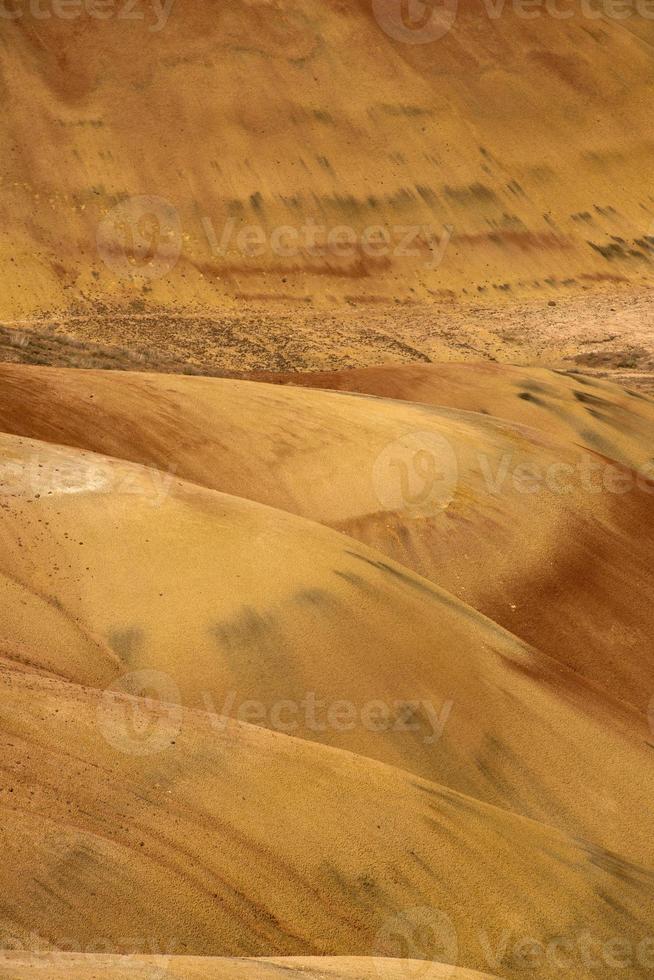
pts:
[508, 154]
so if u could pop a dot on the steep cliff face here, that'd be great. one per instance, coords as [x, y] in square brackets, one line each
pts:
[204, 153]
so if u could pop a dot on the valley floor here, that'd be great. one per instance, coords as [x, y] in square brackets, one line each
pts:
[605, 334]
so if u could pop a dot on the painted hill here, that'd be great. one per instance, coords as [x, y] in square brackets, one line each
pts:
[549, 535]
[130, 147]
[62, 966]
[249, 841]
[235, 732]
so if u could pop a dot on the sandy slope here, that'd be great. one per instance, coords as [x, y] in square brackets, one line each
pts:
[61, 966]
[244, 840]
[231, 602]
[451, 792]
[617, 422]
[450, 750]
[529, 136]
[551, 540]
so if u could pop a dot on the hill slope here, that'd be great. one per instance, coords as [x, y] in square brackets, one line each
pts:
[248, 841]
[410, 768]
[549, 538]
[527, 137]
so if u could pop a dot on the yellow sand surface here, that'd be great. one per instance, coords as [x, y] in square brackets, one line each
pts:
[549, 535]
[85, 966]
[248, 841]
[526, 136]
[363, 705]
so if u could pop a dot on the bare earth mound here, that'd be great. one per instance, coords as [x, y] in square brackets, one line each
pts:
[500, 157]
[349, 674]
[62, 966]
[248, 840]
[233, 731]
[550, 537]
[601, 416]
